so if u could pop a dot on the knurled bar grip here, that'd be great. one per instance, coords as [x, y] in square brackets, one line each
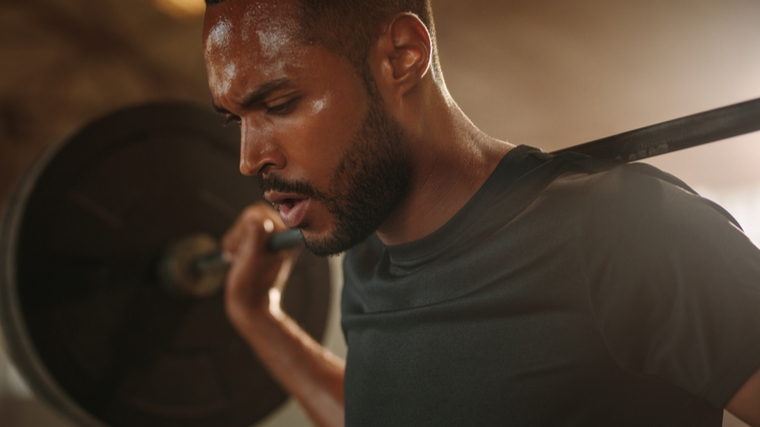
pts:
[674, 135]
[278, 242]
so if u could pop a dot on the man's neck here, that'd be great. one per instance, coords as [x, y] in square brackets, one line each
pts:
[452, 161]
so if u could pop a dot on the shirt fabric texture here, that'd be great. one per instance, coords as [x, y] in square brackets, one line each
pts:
[566, 292]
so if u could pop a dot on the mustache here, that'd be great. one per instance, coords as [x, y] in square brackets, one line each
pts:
[284, 185]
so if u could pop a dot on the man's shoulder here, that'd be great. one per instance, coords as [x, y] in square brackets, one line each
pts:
[605, 188]
[636, 179]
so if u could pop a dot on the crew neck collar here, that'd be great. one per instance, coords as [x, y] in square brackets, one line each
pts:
[510, 167]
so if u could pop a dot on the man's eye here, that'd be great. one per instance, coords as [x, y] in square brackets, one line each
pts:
[231, 119]
[280, 108]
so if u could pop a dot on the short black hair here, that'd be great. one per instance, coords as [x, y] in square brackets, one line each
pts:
[349, 27]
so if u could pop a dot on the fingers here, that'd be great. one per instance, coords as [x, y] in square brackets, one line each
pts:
[257, 222]
[255, 269]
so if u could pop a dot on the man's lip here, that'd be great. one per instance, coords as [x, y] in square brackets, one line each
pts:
[293, 208]
[277, 198]
[294, 213]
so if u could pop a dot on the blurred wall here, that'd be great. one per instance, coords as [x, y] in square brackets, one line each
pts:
[65, 62]
[547, 73]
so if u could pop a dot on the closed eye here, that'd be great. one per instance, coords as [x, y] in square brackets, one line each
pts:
[231, 119]
[281, 108]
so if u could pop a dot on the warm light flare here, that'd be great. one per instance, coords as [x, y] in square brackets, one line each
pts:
[182, 8]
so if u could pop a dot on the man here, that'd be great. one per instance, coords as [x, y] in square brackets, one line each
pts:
[485, 284]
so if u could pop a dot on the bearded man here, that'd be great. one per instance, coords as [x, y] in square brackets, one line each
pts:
[485, 284]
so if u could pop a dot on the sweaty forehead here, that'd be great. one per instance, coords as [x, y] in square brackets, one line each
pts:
[257, 26]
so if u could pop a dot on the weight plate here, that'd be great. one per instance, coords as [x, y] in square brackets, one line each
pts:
[81, 307]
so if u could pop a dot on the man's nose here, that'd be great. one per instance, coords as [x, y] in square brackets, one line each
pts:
[259, 151]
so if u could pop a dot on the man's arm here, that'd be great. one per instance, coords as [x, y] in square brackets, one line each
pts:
[310, 373]
[745, 404]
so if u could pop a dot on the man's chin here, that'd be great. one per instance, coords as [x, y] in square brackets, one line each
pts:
[322, 246]
[325, 244]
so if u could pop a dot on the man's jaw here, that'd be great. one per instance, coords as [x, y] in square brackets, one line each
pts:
[293, 208]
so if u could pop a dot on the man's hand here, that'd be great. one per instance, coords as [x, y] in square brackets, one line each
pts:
[258, 275]
[255, 281]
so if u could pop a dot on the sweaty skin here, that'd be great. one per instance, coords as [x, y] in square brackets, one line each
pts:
[300, 107]
[301, 146]
[302, 142]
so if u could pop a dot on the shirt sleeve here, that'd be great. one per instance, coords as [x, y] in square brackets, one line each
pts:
[674, 284]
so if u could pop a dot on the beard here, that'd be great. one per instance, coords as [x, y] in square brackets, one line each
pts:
[370, 181]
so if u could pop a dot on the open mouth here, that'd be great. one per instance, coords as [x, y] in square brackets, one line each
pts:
[293, 211]
[293, 207]
[287, 204]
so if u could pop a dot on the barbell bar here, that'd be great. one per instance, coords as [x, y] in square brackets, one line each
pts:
[666, 137]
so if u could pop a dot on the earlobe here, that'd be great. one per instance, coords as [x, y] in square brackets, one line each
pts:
[407, 51]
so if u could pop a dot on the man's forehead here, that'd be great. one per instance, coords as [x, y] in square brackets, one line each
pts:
[268, 22]
[248, 43]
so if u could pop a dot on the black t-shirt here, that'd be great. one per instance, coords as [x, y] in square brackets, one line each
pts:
[565, 293]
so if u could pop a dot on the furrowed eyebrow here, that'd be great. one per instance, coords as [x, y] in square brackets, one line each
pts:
[263, 91]
[257, 95]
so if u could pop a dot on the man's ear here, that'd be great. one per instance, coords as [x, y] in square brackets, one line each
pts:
[402, 55]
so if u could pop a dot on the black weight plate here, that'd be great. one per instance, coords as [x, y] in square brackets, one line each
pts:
[82, 310]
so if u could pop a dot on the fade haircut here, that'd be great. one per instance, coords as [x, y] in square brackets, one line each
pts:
[349, 27]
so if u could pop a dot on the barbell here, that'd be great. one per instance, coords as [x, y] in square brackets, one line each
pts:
[85, 318]
[638, 144]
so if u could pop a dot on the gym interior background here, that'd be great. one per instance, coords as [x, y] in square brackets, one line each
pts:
[546, 73]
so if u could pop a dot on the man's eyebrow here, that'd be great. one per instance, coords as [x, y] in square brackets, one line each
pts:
[258, 94]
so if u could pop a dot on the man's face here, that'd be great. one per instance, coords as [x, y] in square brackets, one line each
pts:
[332, 159]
